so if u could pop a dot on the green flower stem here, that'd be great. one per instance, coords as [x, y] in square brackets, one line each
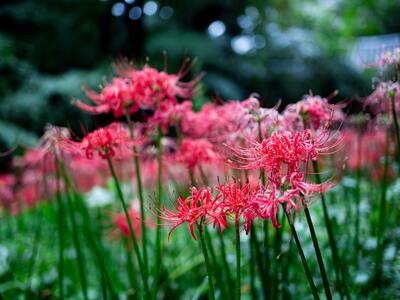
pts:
[35, 244]
[77, 244]
[60, 231]
[206, 260]
[285, 274]
[358, 203]
[214, 264]
[96, 246]
[215, 268]
[252, 270]
[238, 270]
[265, 278]
[277, 251]
[225, 265]
[318, 254]
[142, 270]
[303, 259]
[396, 126]
[337, 262]
[382, 217]
[158, 247]
[262, 272]
[140, 192]
[131, 273]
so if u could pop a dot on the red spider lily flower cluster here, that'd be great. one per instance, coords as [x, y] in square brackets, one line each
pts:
[366, 153]
[380, 100]
[122, 226]
[104, 141]
[193, 152]
[283, 157]
[200, 206]
[137, 89]
[312, 112]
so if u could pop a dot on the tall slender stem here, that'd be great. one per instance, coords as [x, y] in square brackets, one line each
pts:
[337, 262]
[276, 264]
[35, 244]
[225, 265]
[60, 231]
[78, 249]
[158, 247]
[206, 260]
[303, 259]
[131, 273]
[262, 272]
[131, 231]
[358, 203]
[140, 192]
[382, 216]
[318, 254]
[238, 271]
[396, 126]
[96, 247]
[214, 264]
[252, 269]
[266, 281]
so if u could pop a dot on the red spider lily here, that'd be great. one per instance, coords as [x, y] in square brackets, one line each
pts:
[367, 152]
[278, 151]
[122, 226]
[238, 201]
[313, 112]
[269, 200]
[104, 141]
[194, 152]
[219, 122]
[283, 151]
[380, 100]
[170, 115]
[116, 96]
[200, 206]
[306, 189]
[88, 173]
[135, 89]
[235, 198]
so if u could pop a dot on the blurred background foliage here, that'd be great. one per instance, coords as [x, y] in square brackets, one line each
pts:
[280, 49]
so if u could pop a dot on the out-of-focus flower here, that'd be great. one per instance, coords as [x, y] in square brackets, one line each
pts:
[380, 99]
[121, 222]
[312, 112]
[194, 152]
[365, 151]
[170, 115]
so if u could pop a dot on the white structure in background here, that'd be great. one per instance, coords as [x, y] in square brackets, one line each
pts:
[367, 50]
